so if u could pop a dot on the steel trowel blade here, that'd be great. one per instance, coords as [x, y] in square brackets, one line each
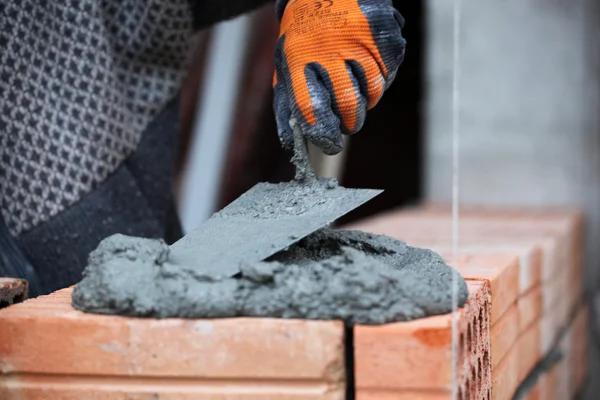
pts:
[263, 221]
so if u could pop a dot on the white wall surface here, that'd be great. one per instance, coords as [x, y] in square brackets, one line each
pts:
[528, 107]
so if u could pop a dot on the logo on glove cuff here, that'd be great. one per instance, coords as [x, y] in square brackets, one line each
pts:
[300, 11]
[317, 5]
[318, 14]
[323, 4]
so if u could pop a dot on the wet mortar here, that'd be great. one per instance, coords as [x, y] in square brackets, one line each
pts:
[353, 276]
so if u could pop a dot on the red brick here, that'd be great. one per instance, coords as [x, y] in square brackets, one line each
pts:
[404, 395]
[534, 394]
[552, 239]
[529, 350]
[577, 358]
[568, 376]
[500, 272]
[503, 335]
[552, 382]
[563, 379]
[540, 270]
[562, 300]
[505, 377]
[547, 385]
[516, 364]
[530, 308]
[51, 351]
[528, 252]
[412, 358]
[555, 289]
[559, 232]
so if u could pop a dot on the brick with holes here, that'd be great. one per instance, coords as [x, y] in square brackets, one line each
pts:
[503, 335]
[559, 231]
[528, 251]
[560, 302]
[530, 308]
[556, 233]
[499, 271]
[413, 360]
[516, 364]
[505, 377]
[567, 377]
[50, 351]
[564, 379]
[529, 350]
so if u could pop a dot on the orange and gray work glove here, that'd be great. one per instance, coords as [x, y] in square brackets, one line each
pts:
[333, 60]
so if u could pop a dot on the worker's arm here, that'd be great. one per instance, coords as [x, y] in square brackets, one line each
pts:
[334, 59]
[89, 127]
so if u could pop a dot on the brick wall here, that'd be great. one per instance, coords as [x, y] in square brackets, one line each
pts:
[522, 268]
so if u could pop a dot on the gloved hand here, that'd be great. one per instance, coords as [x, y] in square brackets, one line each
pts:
[334, 59]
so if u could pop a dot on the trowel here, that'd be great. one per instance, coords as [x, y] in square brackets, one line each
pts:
[268, 218]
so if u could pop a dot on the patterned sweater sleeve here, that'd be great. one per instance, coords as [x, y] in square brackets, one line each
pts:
[88, 127]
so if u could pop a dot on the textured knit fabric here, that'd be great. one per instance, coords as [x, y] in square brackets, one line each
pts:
[134, 200]
[334, 60]
[87, 134]
[81, 79]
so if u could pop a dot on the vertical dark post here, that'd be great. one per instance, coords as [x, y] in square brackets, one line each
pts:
[387, 152]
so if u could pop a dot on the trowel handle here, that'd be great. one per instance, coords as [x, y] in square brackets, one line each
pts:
[304, 171]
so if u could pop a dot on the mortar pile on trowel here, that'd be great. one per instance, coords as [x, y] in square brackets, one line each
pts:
[269, 217]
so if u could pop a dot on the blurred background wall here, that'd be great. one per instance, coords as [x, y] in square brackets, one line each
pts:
[529, 90]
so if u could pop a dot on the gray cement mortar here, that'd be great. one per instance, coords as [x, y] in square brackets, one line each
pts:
[343, 275]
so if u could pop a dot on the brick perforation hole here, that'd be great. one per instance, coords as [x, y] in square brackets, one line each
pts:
[474, 348]
[12, 291]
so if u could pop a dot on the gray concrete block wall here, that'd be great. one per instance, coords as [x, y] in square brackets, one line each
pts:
[529, 90]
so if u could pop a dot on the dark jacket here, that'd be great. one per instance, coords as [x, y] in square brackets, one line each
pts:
[88, 125]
